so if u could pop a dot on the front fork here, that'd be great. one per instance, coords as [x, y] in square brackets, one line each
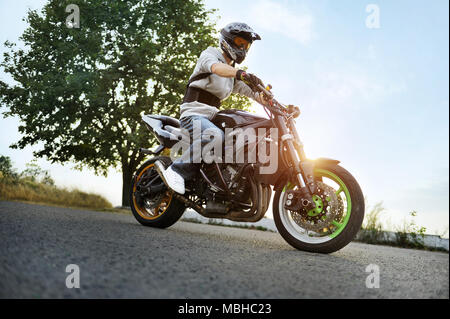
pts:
[303, 169]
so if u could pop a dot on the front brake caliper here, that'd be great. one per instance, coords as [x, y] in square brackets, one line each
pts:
[297, 200]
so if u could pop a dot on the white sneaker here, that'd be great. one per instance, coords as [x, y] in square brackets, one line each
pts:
[172, 179]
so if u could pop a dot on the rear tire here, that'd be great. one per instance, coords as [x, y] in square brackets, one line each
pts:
[166, 216]
[340, 238]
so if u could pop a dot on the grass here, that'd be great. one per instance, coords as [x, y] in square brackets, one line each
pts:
[27, 190]
[372, 226]
[407, 235]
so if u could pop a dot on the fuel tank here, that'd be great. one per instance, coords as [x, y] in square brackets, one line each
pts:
[238, 118]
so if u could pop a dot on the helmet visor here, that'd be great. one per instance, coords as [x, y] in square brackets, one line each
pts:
[242, 43]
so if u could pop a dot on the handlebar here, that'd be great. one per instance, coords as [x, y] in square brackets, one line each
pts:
[277, 107]
[265, 91]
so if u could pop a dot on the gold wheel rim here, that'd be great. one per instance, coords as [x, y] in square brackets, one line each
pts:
[160, 209]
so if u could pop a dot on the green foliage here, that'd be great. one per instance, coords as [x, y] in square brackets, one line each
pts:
[236, 102]
[410, 234]
[80, 92]
[372, 219]
[35, 173]
[372, 226]
[407, 235]
[6, 168]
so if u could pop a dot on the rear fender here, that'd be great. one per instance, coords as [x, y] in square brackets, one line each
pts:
[163, 135]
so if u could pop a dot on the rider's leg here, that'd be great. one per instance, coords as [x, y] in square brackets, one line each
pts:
[186, 167]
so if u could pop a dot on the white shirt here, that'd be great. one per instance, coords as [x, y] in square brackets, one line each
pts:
[219, 86]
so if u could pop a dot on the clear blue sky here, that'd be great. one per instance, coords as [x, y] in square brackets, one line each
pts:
[376, 99]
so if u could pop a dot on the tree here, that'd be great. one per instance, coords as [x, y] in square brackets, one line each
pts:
[80, 92]
[6, 168]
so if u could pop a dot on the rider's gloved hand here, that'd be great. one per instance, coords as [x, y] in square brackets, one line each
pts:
[250, 79]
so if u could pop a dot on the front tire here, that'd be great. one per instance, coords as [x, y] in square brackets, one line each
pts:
[167, 212]
[346, 221]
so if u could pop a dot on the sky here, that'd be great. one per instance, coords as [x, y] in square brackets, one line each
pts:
[373, 94]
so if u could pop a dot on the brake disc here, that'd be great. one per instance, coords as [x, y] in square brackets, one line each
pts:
[318, 220]
[154, 202]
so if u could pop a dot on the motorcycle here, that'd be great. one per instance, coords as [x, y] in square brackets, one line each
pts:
[318, 205]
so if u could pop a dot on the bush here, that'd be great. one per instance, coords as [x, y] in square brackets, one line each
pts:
[372, 227]
[35, 173]
[409, 234]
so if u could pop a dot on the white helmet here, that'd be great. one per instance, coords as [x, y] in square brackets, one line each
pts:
[235, 40]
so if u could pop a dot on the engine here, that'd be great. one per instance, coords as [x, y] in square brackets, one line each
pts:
[239, 187]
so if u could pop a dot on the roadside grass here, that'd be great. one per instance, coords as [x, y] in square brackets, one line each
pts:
[407, 235]
[372, 228]
[35, 185]
[25, 189]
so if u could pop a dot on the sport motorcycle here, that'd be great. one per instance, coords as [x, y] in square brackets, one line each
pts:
[318, 205]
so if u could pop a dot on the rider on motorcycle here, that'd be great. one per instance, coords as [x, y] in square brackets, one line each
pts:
[213, 80]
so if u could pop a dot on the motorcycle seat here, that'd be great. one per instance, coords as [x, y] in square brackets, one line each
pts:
[180, 133]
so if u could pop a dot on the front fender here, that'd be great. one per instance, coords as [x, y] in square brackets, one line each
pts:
[308, 169]
[326, 160]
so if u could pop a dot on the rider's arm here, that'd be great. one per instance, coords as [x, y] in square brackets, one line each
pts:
[243, 89]
[227, 71]
[223, 70]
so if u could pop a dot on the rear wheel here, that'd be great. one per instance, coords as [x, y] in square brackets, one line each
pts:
[336, 219]
[160, 209]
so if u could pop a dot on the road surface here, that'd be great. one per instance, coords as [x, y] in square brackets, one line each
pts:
[119, 258]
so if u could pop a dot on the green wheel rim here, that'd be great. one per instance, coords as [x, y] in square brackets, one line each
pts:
[340, 225]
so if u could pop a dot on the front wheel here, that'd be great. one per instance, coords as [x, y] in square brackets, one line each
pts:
[334, 222]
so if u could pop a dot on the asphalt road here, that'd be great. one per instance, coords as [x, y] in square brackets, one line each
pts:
[119, 258]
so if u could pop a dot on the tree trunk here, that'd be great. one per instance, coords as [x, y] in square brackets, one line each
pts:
[127, 175]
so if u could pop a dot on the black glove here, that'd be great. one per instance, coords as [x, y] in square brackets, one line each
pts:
[250, 79]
